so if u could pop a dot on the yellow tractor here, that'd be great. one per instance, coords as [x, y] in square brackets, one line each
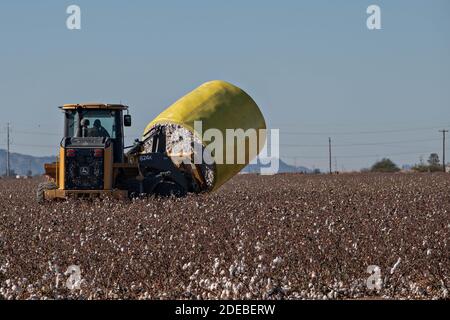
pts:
[92, 161]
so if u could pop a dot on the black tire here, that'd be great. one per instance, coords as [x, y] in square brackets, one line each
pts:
[168, 189]
[41, 189]
[133, 186]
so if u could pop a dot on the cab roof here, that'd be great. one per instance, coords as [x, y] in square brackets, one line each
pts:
[105, 106]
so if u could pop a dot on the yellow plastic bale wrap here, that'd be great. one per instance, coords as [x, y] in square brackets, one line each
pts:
[218, 105]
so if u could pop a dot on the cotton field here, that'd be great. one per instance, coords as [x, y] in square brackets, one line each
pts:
[379, 236]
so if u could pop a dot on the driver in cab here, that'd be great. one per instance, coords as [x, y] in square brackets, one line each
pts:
[98, 131]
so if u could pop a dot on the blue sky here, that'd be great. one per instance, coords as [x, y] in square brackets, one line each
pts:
[312, 66]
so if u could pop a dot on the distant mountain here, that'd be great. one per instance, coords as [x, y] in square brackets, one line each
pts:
[283, 168]
[21, 163]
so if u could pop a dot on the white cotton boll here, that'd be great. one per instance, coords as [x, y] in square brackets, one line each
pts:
[428, 252]
[225, 294]
[216, 264]
[228, 285]
[187, 265]
[396, 265]
[194, 276]
[236, 289]
[277, 261]
[213, 287]
[232, 270]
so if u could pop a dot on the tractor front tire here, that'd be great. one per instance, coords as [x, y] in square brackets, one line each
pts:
[42, 188]
[169, 189]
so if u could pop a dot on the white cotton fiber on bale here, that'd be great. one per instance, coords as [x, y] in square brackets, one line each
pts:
[181, 145]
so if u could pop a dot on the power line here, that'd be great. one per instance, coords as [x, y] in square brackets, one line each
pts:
[8, 169]
[329, 152]
[7, 151]
[358, 132]
[335, 124]
[288, 132]
[34, 145]
[359, 156]
[443, 148]
[358, 144]
[37, 133]
[42, 133]
[26, 132]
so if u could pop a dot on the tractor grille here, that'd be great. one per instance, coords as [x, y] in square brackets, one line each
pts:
[84, 170]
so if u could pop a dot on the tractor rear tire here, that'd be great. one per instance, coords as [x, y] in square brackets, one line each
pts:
[40, 195]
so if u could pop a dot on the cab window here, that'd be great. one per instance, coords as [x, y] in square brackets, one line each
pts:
[92, 123]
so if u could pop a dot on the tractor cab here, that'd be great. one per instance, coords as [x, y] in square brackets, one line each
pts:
[91, 160]
[98, 122]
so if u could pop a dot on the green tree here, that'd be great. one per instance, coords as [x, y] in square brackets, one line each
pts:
[433, 160]
[385, 165]
[433, 164]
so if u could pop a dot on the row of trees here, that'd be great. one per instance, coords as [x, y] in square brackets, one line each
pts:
[434, 164]
[387, 165]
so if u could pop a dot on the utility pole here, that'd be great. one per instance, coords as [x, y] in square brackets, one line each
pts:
[443, 148]
[8, 169]
[329, 151]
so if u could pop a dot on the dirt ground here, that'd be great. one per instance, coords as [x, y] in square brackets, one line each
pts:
[259, 237]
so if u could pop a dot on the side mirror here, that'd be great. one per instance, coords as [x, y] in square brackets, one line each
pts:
[127, 120]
